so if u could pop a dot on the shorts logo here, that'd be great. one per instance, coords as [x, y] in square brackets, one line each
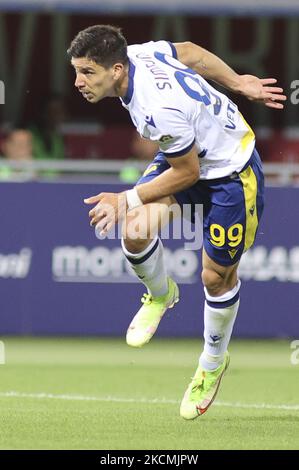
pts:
[232, 253]
[150, 169]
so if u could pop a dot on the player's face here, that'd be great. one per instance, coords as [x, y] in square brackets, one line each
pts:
[94, 81]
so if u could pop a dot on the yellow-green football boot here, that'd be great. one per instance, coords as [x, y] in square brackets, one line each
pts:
[202, 390]
[147, 319]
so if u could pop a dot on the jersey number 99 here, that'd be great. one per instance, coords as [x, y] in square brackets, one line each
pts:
[218, 236]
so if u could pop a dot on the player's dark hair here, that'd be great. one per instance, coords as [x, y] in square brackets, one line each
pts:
[104, 44]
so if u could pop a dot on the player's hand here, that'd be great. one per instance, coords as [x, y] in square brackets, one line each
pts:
[262, 90]
[109, 209]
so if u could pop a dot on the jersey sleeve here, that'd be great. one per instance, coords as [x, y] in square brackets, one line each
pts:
[165, 47]
[171, 130]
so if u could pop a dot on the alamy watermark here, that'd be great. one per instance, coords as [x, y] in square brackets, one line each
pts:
[295, 354]
[2, 92]
[2, 353]
[295, 94]
[172, 222]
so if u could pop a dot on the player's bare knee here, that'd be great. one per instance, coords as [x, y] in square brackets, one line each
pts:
[218, 283]
[136, 238]
[214, 282]
[135, 245]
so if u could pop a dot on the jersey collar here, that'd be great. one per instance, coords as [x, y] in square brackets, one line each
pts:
[127, 98]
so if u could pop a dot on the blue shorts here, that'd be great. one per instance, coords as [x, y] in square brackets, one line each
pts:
[232, 207]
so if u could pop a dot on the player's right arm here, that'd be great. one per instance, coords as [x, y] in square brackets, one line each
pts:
[182, 174]
[212, 67]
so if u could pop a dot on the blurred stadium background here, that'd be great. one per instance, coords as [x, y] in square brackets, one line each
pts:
[57, 279]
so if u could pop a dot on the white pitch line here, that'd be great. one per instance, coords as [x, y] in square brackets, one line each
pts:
[257, 406]
[160, 401]
[14, 394]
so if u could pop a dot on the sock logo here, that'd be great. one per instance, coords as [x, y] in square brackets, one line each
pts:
[215, 338]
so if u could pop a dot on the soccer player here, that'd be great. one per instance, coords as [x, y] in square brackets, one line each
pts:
[207, 156]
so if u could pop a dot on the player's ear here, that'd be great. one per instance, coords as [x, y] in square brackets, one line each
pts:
[117, 70]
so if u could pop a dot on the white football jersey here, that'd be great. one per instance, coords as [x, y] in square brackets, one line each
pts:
[174, 106]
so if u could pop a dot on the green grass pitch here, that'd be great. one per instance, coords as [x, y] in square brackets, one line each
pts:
[101, 394]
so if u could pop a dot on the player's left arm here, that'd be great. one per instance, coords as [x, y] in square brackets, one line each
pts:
[212, 67]
[111, 207]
